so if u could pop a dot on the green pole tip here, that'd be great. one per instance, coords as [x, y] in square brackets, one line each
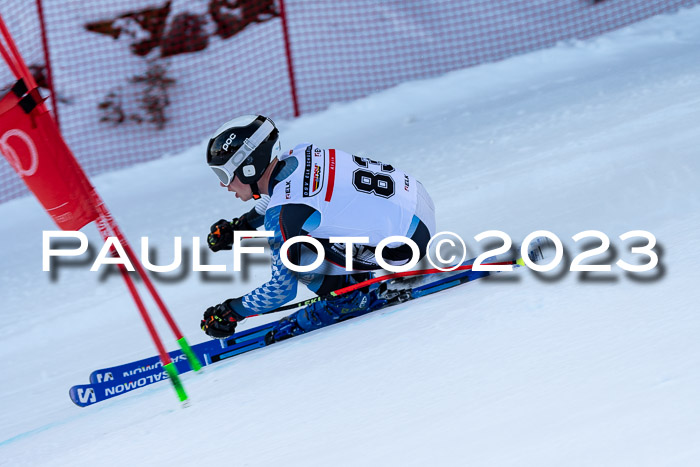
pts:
[175, 378]
[195, 364]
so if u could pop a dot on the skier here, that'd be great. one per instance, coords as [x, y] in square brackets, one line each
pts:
[315, 192]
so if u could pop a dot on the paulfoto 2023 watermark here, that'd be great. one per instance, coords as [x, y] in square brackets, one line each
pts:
[112, 252]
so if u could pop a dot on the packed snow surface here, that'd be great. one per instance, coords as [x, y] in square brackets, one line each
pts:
[571, 369]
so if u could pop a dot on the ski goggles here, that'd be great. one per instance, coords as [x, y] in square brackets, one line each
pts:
[226, 172]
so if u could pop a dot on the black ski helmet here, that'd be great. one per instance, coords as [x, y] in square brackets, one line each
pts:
[243, 148]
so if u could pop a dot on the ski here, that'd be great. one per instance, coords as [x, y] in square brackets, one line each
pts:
[153, 364]
[110, 382]
[124, 378]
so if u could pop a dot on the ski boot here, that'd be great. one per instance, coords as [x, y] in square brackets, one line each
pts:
[324, 313]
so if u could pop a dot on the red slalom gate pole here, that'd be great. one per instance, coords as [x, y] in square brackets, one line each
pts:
[78, 215]
[102, 226]
[181, 339]
[47, 61]
[13, 59]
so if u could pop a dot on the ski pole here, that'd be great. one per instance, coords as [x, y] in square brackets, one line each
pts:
[359, 285]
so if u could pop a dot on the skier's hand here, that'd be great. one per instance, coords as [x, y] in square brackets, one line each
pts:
[221, 236]
[220, 321]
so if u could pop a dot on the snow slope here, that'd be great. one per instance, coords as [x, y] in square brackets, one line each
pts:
[597, 369]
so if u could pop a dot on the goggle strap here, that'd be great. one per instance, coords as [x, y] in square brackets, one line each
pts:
[260, 135]
[248, 146]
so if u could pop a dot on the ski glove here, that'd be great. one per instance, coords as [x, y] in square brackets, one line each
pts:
[221, 236]
[220, 321]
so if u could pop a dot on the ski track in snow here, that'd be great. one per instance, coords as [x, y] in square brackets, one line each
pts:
[601, 134]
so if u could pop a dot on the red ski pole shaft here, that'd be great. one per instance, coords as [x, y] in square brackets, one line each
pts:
[420, 272]
[362, 284]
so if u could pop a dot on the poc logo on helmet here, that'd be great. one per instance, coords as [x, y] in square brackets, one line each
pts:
[228, 142]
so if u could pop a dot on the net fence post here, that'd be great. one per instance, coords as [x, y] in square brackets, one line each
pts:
[288, 54]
